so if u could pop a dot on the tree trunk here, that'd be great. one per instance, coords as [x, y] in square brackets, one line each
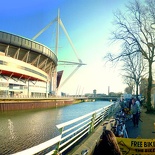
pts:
[137, 84]
[149, 106]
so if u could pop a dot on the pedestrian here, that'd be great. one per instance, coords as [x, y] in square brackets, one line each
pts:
[130, 103]
[122, 104]
[138, 102]
[135, 110]
[107, 145]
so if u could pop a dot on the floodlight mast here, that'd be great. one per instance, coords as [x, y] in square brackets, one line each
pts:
[79, 63]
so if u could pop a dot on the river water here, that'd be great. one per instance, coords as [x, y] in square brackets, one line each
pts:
[20, 130]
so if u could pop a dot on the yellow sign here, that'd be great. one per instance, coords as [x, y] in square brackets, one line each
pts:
[131, 146]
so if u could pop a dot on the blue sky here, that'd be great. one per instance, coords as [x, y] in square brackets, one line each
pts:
[89, 25]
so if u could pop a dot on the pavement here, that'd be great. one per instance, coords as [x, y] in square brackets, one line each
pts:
[145, 130]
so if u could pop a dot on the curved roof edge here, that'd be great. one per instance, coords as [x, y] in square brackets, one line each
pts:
[28, 44]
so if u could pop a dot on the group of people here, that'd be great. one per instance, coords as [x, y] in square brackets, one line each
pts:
[108, 142]
[133, 106]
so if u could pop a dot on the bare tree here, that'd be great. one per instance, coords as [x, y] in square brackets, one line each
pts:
[133, 27]
[130, 84]
[133, 68]
[128, 90]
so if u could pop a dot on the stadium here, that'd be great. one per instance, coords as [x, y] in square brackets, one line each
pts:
[27, 68]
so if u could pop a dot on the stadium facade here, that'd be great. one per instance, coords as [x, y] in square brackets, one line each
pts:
[27, 68]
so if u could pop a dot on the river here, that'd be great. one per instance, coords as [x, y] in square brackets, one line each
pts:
[20, 130]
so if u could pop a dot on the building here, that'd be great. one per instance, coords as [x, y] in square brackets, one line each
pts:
[94, 92]
[27, 68]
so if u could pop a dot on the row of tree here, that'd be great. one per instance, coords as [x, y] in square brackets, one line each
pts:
[134, 29]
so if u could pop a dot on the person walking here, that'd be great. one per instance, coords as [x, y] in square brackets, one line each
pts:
[135, 110]
[107, 145]
[138, 102]
[130, 103]
[122, 104]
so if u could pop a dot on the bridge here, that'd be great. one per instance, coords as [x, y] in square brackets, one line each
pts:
[97, 98]
[104, 98]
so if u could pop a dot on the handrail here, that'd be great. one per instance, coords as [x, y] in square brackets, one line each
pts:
[71, 132]
[40, 147]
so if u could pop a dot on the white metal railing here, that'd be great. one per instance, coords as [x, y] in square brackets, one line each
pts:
[71, 132]
[40, 97]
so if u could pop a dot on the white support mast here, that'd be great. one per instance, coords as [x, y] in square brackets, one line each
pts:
[57, 34]
[56, 51]
[79, 63]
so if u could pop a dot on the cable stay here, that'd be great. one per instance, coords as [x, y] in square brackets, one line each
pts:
[71, 63]
[61, 24]
[44, 29]
[69, 76]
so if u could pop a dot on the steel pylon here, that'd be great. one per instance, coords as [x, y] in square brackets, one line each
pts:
[79, 62]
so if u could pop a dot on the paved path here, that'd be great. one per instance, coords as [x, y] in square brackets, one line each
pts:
[145, 128]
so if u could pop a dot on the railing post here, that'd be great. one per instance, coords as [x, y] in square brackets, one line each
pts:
[111, 109]
[103, 111]
[58, 144]
[92, 123]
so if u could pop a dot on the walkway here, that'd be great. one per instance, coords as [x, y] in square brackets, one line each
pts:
[144, 130]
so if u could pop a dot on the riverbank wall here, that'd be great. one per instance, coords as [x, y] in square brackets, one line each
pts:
[10, 105]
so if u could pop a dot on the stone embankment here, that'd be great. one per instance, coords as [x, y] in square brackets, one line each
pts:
[21, 104]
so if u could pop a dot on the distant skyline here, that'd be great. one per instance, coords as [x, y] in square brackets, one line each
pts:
[89, 25]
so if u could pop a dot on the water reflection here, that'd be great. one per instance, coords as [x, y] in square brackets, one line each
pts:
[23, 129]
[11, 129]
